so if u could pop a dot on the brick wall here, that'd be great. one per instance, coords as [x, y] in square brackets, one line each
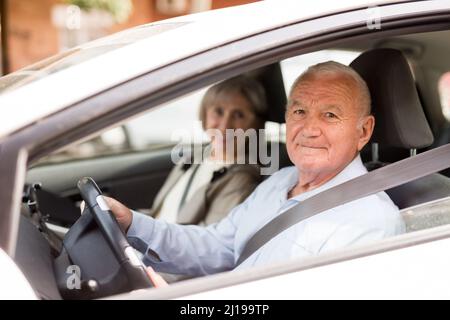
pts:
[32, 36]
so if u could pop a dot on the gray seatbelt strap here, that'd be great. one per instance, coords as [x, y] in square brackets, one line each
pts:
[188, 187]
[375, 181]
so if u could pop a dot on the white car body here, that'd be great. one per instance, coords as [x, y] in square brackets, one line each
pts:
[14, 284]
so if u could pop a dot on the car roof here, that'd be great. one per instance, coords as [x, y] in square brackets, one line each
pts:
[40, 98]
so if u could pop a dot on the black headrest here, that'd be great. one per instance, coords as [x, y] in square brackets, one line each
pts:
[399, 117]
[272, 80]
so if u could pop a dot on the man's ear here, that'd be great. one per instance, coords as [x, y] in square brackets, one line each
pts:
[366, 130]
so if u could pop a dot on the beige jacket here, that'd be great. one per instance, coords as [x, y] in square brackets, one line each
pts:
[212, 202]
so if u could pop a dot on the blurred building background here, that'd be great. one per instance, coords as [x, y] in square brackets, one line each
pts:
[32, 30]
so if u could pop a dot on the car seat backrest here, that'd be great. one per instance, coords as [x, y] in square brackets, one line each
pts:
[400, 123]
[429, 215]
[271, 79]
[400, 120]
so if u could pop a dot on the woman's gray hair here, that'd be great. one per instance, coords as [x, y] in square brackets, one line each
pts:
[336, 68]
[247, 87]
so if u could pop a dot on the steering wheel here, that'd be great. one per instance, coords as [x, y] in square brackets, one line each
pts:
[109, 227]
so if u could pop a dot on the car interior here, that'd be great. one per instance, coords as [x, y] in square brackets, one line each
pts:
[402, 74]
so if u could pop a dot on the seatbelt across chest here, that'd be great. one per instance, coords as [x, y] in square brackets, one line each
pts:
[373, 182]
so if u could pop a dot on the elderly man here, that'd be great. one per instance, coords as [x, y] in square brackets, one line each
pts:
[328, 122]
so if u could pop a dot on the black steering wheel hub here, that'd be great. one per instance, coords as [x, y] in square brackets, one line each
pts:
[96, 259]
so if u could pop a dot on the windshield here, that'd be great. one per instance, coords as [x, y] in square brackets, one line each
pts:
[82, 53]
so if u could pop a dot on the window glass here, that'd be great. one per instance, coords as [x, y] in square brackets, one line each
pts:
[293, 67]
[164, 125]
[169, 124]
[178, 120]
[80, 54]
[175, 121]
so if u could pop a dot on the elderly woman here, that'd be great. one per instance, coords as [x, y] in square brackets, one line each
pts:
[205, 193]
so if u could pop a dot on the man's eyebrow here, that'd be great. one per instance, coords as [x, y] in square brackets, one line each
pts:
[333, 107]
[294, 103]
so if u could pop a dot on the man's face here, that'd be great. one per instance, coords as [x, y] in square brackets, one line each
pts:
[325, 125]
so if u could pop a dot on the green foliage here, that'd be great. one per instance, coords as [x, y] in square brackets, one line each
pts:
[119, 9]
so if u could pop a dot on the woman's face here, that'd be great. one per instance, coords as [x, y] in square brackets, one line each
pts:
[230, 111]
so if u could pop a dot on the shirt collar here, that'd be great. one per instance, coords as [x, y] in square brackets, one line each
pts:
[352, 170]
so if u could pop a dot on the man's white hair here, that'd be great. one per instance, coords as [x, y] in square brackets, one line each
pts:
[336, 68]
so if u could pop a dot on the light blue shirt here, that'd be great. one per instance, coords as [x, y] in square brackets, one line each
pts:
[193, 250]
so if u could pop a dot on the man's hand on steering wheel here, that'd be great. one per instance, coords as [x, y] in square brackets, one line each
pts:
[124, 218]
[123, 215]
